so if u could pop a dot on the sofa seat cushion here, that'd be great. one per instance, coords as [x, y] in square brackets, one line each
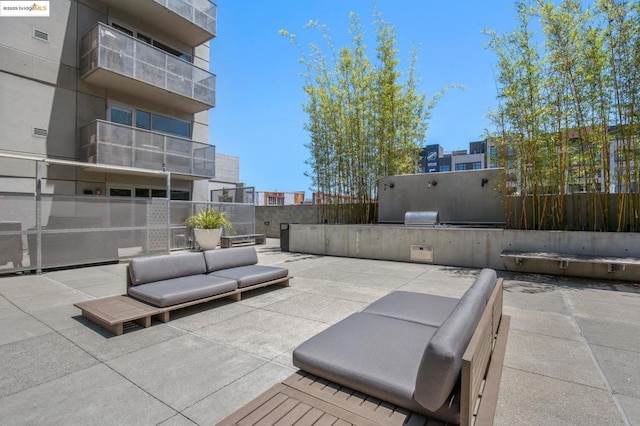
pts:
[253, 274]
[230, 258]
[180, 290]
[369, 353]
[148, 269]
[426, 309]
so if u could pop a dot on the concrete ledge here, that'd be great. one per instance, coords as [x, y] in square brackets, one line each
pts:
[468, 247]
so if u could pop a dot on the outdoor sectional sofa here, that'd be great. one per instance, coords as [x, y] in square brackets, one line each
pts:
[157, 285]
[174, 281]
[404, 359]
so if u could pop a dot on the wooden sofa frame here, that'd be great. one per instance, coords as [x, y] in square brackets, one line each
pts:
[112, 312]
[304, 398]
[162, 314]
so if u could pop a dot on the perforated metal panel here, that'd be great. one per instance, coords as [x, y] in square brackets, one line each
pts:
[85, 229]
[157, 220]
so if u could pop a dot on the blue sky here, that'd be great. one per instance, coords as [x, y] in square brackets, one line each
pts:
[258, 115]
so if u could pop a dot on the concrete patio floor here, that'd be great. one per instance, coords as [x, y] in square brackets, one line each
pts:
[573, 355]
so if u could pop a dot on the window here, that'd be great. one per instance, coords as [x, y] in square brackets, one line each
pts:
[159, 193]
[476, 165]
[446, 168]
[461, 166]
[121, 28]
[143, 120]
[149, 40]
[275, 201]
[149, 121]
[170, 125]
[146, 192]
[142, 192]
[121, 115]
[172, 51]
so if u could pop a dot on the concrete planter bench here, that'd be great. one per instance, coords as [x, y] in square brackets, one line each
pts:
[227, 241]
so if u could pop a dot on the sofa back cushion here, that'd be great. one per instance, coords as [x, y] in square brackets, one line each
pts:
[483, 284]
[144, 270]
[230, 258]
[442, 360]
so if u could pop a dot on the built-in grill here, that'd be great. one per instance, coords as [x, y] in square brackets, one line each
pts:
[421, 218]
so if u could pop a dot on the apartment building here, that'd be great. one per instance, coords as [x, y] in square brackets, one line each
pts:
[113, 94]
[434, 159]
[279, 198]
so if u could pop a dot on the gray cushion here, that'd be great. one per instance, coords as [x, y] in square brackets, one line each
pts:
[442, 361]
[369, 353]
[376, 355]
[253, 274]
[230, 258]
[484, 284]
[156, 268]
[179, 290]
[425, 309]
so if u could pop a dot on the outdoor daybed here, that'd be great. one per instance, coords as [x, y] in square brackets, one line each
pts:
[157, 285]
[403, 359]
[175, 281]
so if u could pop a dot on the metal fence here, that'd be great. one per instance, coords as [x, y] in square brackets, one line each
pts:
[52, 231]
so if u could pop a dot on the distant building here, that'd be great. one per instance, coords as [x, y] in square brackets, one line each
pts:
[436, 160]
[279, 198]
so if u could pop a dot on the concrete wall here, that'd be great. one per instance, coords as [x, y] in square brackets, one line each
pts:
[459, 197]
[269, 218]
[227, 168]
[469, 247]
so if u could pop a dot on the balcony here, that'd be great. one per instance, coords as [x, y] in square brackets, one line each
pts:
[190, 21]
[113, 144]
[112, 59]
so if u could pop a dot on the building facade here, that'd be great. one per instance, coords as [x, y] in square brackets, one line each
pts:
[436, 160]
[116, 91]
[279, 198]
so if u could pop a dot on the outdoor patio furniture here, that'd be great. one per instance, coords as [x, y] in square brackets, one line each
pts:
[614, 263]
[406, 358]
[227, 241]
[157, 285]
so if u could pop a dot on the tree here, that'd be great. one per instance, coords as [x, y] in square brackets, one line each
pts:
[366, 118]
[568, 110]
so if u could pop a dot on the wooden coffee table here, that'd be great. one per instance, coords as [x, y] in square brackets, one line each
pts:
[112, 312]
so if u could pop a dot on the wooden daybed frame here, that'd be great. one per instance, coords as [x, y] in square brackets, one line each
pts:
[112, 312]
[306, 399]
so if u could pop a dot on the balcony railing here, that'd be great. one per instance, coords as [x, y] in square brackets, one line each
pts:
[192, 22]
[202, 13]
[103, 142]
[113, 59]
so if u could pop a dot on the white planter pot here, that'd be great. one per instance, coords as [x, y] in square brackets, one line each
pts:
[207, 239]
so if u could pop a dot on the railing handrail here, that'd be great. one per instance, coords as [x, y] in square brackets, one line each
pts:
[144, 45]
[196, 5]
[124, 126]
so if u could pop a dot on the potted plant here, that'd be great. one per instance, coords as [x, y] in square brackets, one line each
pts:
[207, 227]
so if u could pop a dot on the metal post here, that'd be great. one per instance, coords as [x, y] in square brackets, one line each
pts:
[168, 211]
[38, 196]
